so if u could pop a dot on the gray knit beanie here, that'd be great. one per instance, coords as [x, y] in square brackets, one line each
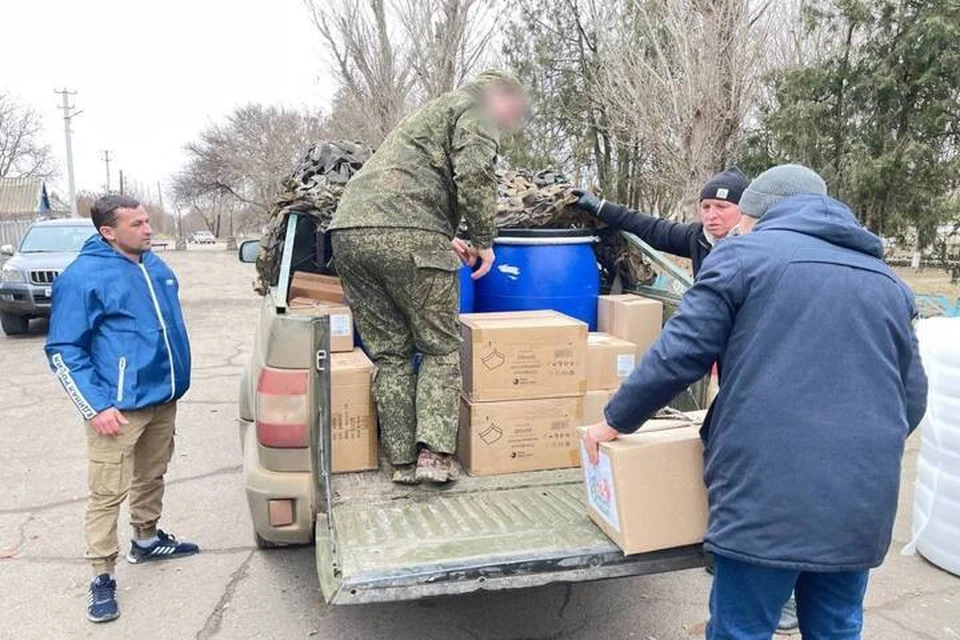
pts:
[773, 185]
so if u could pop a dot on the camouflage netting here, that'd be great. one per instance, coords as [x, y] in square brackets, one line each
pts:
[525, 200]
[314, 188]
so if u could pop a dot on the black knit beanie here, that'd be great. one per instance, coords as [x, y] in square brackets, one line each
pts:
[727, 185]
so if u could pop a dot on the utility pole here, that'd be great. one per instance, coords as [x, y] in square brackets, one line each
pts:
[68, 114]
[121, 181]
[106, 161]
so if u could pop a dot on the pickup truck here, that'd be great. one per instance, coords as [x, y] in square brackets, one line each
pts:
[376, 541]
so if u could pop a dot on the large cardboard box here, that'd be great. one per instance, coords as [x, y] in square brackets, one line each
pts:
[631, 318]
[341, 320]
[316, 287]
[594, 402]
[353, 416]
[522, 435]
[524, 354]
[610, 360]
[647, 491]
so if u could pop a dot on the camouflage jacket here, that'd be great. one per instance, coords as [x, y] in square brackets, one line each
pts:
[435, 168]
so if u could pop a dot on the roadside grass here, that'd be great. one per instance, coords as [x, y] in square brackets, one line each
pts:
[929, 282]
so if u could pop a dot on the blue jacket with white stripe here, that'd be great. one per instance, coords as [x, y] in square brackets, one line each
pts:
[117, 336]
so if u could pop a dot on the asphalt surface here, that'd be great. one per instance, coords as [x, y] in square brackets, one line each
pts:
[231, 590]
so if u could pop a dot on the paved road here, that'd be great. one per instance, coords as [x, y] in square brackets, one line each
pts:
[233, 591]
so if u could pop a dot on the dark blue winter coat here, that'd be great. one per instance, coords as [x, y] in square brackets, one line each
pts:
[822, 382]
[117, 337]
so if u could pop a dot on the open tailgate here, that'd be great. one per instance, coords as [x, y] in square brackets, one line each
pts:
[385, 542]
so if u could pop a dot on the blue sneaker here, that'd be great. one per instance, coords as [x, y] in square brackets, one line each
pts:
[102, 602]
[165, 547]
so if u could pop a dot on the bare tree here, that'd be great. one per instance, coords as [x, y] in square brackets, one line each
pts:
[369, 59]
[391, 55]
[216, 211]
[448, 40]
[244, 158]
[679, 81]
[22, 152]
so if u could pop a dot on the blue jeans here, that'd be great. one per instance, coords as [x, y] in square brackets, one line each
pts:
[746, 601]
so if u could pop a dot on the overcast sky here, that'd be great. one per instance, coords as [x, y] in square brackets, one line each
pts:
[151, 75]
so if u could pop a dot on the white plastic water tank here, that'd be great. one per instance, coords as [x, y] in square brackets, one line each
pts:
[936, 507]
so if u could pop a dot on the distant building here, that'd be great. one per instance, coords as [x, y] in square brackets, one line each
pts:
[23, 200]
[27, 199]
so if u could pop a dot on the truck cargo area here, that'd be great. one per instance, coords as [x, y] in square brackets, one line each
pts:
[384, 542]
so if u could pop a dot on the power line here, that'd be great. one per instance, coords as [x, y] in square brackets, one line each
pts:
[69, 113]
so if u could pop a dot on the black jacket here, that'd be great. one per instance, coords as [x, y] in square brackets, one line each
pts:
[686, 240]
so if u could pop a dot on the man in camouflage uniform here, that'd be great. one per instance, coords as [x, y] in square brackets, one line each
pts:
[395, 250]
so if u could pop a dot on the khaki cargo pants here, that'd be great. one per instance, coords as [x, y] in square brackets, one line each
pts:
[133, 463]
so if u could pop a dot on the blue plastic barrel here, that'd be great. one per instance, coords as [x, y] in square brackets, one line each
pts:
[538, 269]
[467, 294]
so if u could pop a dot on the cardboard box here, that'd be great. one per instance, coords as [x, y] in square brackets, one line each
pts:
[647, 491]
[353, 416]
[594, 402]
[341, 320]
[522, 435]
[610, 360]
[316, 287]
[631, 318]
[524, 354]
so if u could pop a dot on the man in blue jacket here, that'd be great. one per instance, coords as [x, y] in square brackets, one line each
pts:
[822, 384]
[119, 347]
[718, 209]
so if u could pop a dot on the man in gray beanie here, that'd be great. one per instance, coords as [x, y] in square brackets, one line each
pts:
[772, 186]
[822, 383]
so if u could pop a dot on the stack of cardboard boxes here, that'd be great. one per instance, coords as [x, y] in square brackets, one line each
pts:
[530, 379]
[628, 326]
[353, 418]
[524, 379]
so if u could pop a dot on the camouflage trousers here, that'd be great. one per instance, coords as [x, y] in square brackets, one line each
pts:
[403, 289]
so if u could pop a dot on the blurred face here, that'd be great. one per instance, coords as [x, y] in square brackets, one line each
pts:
[508, 108]
[719, 217]
[132, 235]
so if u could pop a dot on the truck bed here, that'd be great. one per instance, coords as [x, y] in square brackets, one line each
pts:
[388, 542]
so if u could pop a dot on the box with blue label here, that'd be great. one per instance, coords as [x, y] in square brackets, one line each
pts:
[610, 361]
[647, 491]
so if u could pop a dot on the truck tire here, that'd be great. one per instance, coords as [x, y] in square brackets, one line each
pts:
[14, 325]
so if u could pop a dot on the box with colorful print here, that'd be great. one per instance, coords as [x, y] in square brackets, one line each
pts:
[647, 491]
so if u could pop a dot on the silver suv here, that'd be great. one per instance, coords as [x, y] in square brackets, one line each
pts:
[27, 278]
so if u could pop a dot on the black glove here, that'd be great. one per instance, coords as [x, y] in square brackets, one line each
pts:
[587, 201]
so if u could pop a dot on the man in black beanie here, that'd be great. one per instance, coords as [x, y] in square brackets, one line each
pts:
[719, 214]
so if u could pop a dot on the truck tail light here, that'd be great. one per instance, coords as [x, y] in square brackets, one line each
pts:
[283, 414]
